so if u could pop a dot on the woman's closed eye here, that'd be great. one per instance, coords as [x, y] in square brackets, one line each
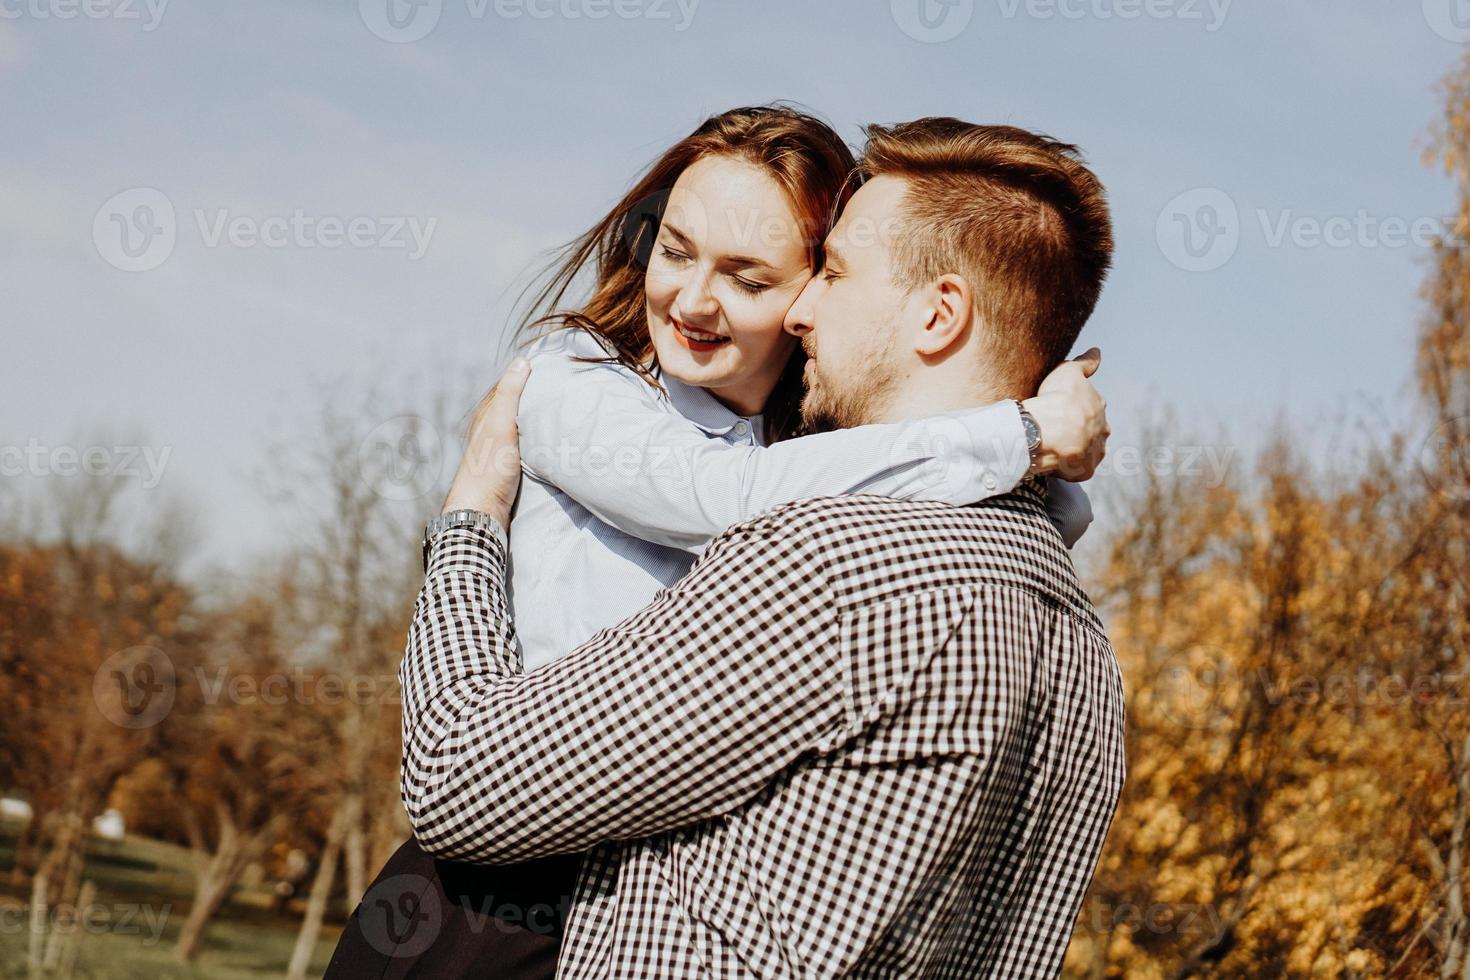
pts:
[745, 285]
[672, 255]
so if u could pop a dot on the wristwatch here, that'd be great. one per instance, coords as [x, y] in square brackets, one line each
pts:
[463, 518]
[1033, 435]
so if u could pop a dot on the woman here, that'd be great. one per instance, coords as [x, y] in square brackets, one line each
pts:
[666, 408]
[663, 410]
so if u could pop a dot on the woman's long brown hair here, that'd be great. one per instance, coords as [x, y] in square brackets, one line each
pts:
[800, 152]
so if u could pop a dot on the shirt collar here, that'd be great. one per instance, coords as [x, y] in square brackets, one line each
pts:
[703, 409]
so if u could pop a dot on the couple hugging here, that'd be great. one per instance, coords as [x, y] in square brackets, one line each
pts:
[749, 643]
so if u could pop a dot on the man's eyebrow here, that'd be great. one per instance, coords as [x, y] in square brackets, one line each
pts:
[830, 251]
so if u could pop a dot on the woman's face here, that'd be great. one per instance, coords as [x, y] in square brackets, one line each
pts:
[729, 261]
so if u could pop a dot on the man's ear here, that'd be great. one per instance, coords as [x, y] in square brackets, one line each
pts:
[948, 312]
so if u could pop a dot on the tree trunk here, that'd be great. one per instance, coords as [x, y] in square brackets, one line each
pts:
[25, 851]
[354, 853]
[316, 903]
[69, 942]
[210, 891]
[217, 873]
[37, 939]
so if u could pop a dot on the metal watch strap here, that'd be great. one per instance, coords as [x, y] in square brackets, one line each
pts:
[463, 518]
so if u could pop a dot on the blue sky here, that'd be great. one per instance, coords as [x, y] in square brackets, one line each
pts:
[511, 124]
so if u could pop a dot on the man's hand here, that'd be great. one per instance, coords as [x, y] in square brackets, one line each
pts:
[489, 476]
[1073, 419]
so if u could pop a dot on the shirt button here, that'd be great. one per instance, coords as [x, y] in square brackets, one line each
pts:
[742, 427]
[989, 481]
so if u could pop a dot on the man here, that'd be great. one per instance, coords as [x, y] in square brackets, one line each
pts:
[863, 736]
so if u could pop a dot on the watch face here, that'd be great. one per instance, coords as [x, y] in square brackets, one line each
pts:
[1033, 431]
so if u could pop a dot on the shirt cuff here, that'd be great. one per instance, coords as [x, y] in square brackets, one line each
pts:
[466, 547]
[993, 442]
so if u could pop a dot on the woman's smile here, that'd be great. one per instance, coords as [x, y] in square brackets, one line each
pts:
[697, 340]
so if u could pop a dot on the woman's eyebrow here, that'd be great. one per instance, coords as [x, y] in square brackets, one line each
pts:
[729, 261]
[683, 238]
[746, 262]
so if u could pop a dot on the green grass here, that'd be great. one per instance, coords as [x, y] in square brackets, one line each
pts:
[143, 894]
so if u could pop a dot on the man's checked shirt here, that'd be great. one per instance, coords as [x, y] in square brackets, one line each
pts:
[863, 737]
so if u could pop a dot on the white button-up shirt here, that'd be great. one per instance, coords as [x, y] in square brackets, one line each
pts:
[624, 485]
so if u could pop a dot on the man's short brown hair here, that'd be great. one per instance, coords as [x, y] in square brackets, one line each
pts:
[1016, 214]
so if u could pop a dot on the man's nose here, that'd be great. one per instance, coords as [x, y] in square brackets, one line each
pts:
[798, 320]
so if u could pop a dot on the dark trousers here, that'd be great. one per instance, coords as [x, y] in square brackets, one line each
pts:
[427, 918]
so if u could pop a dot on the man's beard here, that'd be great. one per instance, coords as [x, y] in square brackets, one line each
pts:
[828, 405]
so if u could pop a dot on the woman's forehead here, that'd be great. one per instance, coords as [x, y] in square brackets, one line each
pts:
[733, 205]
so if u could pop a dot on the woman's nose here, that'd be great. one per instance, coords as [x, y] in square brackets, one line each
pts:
[695, 297]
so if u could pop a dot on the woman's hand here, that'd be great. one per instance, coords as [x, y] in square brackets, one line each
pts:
[489, 476]
[1073, 419]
